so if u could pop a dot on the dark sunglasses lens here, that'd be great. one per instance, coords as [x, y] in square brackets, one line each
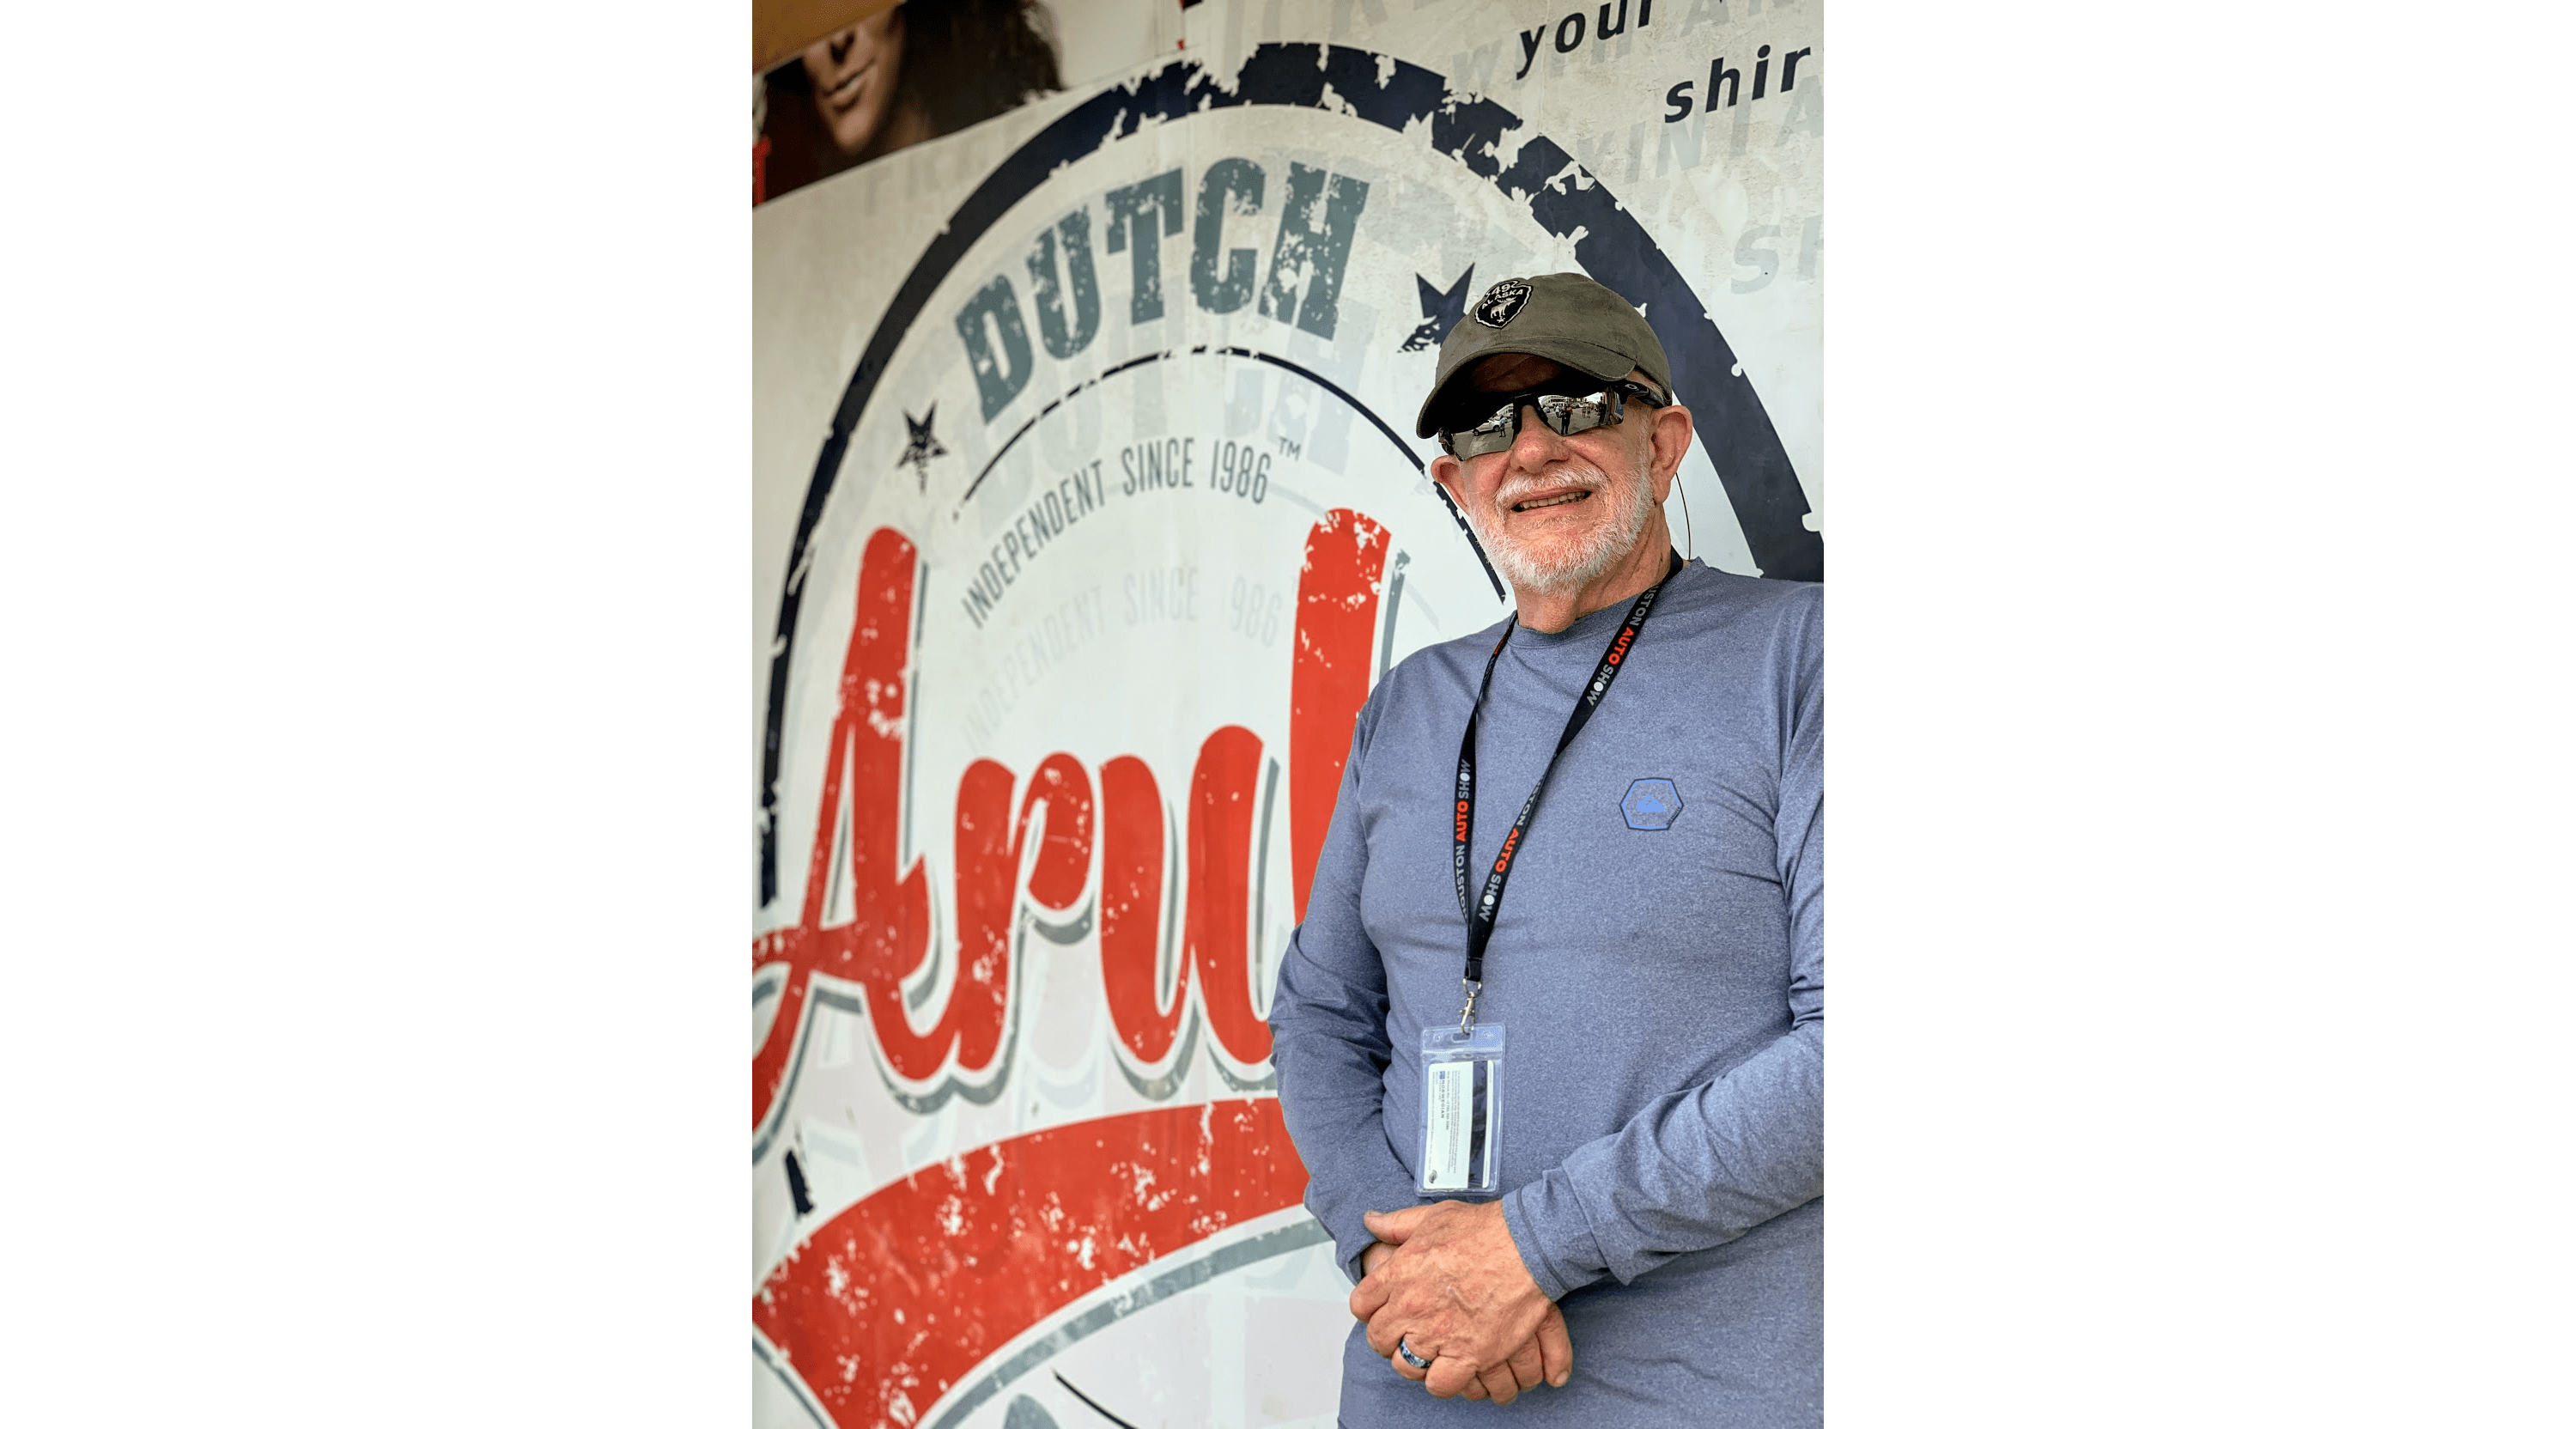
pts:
[1567, 415]
[1474, 434]
[1564, 413]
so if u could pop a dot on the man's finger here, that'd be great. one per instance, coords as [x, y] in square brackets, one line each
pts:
[1449, 1376]
[1382, 1335]
[1555, 1347]
[1527, 1365]
[1367, 1297]
[1407, 1370]
[1498, 1384]
[1393, 1226]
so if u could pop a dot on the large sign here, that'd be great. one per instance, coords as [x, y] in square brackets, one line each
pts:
[1093, 515]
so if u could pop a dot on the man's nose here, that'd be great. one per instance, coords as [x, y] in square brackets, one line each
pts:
[1534, 443]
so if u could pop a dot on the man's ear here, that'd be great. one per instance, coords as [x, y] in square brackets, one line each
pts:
[1446, 470]
[1671, 433]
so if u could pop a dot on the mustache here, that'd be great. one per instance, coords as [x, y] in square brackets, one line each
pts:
[1520, 489]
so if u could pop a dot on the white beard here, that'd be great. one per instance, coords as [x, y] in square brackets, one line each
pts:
[1573, 566]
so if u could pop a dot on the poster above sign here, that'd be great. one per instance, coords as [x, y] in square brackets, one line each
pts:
[846, 83]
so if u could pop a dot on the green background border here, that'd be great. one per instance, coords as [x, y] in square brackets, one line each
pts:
[374, 555]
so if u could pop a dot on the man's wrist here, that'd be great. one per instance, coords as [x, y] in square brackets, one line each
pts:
[1524, 1212]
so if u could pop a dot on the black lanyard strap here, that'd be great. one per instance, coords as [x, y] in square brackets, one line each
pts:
[1481, 911]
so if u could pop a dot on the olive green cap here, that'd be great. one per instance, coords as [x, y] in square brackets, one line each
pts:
[1565, 317]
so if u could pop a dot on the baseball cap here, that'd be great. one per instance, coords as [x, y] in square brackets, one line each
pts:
[1565, 317]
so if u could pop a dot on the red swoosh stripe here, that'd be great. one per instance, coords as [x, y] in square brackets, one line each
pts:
[897, 1298]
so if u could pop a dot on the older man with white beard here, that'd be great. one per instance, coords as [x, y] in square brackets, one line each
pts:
[1647, 1182]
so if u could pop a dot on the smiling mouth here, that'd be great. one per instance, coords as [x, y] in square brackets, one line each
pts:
[1557, 500]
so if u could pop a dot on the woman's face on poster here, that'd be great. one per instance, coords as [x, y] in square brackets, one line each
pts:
[854, 72]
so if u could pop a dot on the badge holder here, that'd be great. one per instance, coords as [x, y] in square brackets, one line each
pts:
[1462, 1127]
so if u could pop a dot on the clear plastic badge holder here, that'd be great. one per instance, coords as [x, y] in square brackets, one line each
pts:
[1462, 1127]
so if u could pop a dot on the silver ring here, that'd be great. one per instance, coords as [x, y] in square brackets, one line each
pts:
[1417, 1361]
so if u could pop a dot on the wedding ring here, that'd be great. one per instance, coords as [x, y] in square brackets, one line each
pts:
[1417, 1361]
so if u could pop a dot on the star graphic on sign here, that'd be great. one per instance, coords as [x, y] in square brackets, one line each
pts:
[924, 446]
[1440, 311]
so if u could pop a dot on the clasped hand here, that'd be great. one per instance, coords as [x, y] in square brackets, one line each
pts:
[1447, 1280]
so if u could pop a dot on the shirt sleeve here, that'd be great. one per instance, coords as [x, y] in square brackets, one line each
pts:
[1707, 1164]
[1329, 1041]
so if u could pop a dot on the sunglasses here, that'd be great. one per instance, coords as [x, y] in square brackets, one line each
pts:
[1570, 404]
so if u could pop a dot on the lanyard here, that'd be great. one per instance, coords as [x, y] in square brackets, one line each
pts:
[1480, 913]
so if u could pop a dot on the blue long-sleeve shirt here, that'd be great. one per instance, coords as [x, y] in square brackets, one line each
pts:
[1662, 1093]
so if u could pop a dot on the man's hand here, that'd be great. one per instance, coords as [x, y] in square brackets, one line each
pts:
[1549, 1352]
[1545, 1357]
[1374, 1256]
[1455, 1291]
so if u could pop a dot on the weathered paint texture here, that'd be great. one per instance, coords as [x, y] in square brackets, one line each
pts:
[887, 942]
[890, 1304]
[1337, 599]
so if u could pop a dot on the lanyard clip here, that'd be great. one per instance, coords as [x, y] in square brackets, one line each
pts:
[1467, 1014]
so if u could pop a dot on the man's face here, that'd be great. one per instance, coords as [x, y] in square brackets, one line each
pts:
[1553, 512]
[854, 71]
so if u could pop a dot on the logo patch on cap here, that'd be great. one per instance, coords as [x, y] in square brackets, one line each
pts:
[1502, 302]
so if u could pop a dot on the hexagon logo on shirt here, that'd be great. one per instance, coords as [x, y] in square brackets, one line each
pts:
[1652, 804]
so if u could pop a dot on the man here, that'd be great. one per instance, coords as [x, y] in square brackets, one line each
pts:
[1652, 947]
